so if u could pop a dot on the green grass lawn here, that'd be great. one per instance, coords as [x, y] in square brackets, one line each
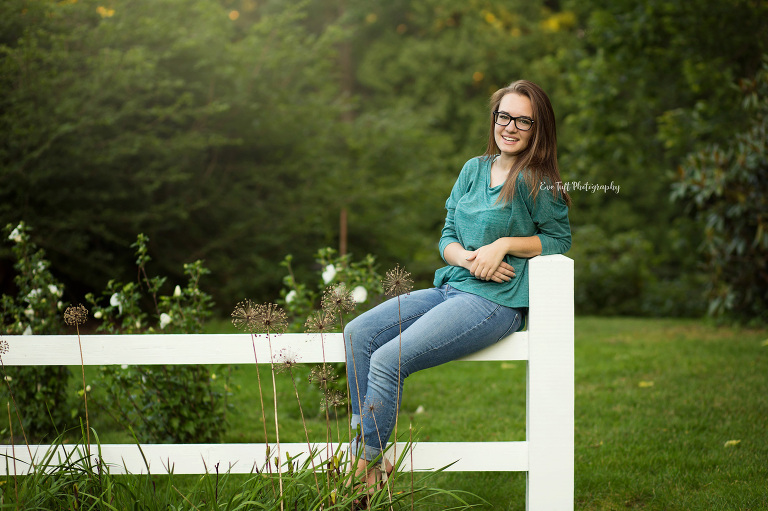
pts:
[670, 415]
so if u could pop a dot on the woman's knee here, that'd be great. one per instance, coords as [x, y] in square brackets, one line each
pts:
[384, 366]
[352, 332]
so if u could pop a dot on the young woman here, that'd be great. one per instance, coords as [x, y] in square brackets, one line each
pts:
[505, 208]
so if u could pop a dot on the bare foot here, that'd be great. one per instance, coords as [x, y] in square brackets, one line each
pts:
[371, 475]
[368, 474]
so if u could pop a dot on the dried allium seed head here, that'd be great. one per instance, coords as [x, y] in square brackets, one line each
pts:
[75, 315]
[320, 321]
[338, 298]
[369, 409]
[3, 347]
[333, 399]
[244, 317]
[323, 375]
[397, 282]
[287, 361]
[271, 319]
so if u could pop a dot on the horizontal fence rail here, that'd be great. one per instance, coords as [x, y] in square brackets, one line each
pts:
[181, 349]
[547, 346]
[250, 458]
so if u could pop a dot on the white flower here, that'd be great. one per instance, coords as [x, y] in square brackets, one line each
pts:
[123, 366]
[87, 388]
[28, 331]
[359, 294]
[28, 312]
[138, 323]
[213, 376]
[165, 319]
[33, 294]
[114, 301]
[97, 314]
[177, 292]
[54, 290]
[290, 296]
[8, 378]
[329, 273]
[15, 235]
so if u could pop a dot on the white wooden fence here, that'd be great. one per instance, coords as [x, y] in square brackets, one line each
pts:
[547, 346]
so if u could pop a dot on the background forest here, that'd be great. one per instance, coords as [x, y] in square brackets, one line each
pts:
[238, 131]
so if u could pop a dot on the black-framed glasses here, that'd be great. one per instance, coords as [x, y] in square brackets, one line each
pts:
[521, 123]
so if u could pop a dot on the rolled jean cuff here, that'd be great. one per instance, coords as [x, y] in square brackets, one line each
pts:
[368, 452]
[355, 421]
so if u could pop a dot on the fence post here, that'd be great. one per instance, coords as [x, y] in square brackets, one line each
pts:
[550, 386]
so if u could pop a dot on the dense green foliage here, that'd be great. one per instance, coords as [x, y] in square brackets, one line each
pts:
[648, 85]
[727, 187]
[236, 131]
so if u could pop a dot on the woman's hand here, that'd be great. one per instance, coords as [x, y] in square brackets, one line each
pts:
[487, 263]
[456, 255]
[504, 273]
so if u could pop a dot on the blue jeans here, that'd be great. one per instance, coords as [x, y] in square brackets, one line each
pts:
[438, 325]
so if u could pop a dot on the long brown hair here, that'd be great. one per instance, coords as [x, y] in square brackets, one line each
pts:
[540, 157]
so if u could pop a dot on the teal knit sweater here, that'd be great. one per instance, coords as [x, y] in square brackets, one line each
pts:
[475, 219]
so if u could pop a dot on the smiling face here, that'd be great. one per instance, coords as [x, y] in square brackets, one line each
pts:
[509, 139]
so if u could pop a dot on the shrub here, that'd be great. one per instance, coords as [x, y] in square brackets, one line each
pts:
[40, 391]
[163, 403]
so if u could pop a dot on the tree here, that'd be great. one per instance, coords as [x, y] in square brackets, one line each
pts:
[169, 119]
[648, 85]
[725, 186]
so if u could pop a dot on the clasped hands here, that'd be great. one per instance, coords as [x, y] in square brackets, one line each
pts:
[487, 263]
